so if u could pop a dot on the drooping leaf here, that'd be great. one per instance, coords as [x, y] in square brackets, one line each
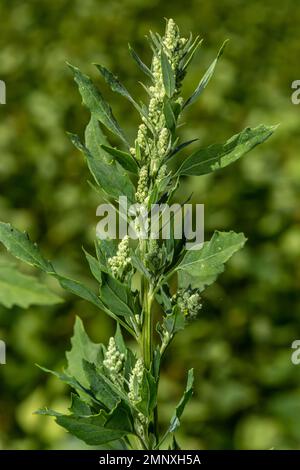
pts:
[205, 79]
[124, 158]
[23, 290]
[90, 429]
[109, 176]
[200, 268]
[19, 245]
[94, 101]
[218, 156]
[168, 75]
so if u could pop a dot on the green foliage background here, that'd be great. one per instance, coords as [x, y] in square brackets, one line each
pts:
[247, 390]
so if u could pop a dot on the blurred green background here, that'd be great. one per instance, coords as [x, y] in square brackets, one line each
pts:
[247, 390]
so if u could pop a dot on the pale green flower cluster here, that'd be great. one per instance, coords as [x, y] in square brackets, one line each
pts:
[134, 395]
[189, 302]
[114, 362]
[135, 381]
[153, 135]
[120, 263]
[153, 258]
[142, 191]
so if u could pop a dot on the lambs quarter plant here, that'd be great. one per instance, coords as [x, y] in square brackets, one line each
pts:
[115, 399]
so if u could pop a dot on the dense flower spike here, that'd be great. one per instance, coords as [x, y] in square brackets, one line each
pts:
[120, 263]
[153, 135]
[143, 186]
[135, 381]
[114, 363]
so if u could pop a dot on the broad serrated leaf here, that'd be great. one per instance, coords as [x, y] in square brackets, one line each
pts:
[124, 158]
[94, 101]
[90, 429]
[167, 75]
[217, 156]
[110, 177]
[23, 290]
[19, 245]
[205, 79]
[200, 268]
[82, 348]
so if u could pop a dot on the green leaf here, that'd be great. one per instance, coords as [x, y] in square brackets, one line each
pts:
[139, 62]
[175, 421]
[94, 266]
[218, 156]
[100, 386]
[167, 75]
[90, 429]
[94, 101]
[116, 85]
[23, 290]
[82, 348]
[72, 382]
[148, 393]
[174, 322]
[19, 245]
[94, 139]
[120, 343]
[105, 249]
[118, 297]
[79, 407]
[124, 158]
[200, 268]
[205, 79]
[109, 176]
[180, 147]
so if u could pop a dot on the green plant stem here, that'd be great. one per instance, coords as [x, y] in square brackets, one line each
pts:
[147, 333]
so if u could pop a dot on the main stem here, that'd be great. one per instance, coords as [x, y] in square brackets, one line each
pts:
[147, 334]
